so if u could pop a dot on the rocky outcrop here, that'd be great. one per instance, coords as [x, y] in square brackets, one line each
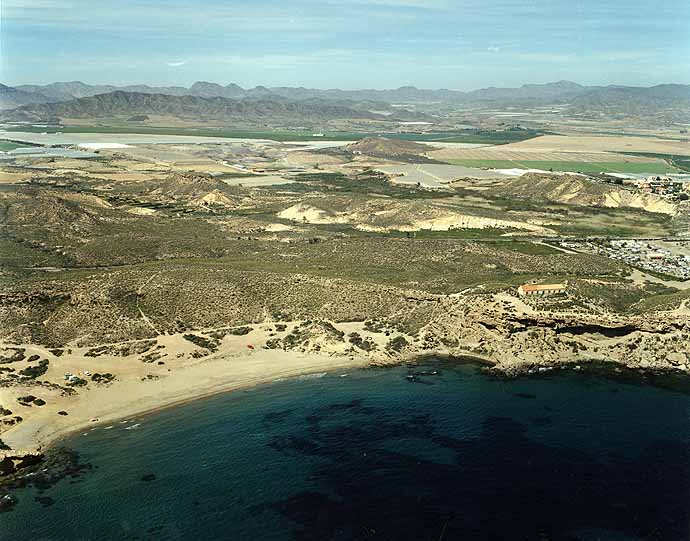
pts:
[12, 462]
[517, 343]
[20, 469]
[650, 203]
[577, 190]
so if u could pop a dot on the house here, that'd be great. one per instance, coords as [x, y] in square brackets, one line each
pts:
[541, 290]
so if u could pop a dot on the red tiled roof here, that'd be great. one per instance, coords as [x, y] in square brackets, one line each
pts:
[541, 287]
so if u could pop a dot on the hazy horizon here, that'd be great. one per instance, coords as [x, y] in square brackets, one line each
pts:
[324, 88]
[349, 45]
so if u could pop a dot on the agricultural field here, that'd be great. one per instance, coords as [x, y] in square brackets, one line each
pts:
[506, 154]
[650, 168]
[486, 137]
[594, 143]
[586, 162]
[9, 145]
[496, 137]
[679, 161]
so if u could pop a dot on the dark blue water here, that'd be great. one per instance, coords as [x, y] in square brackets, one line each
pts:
[375, 455]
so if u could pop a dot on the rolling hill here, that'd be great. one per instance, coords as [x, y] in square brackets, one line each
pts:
[381, 147]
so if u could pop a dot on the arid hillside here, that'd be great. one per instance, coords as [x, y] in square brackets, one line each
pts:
[579, 190]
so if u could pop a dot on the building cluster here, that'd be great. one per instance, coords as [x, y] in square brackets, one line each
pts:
[642, 254]
[665, 187]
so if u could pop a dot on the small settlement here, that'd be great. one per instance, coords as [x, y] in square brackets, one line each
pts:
[646, 255]
[664, 187]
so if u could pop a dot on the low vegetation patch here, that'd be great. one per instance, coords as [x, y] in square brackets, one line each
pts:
[397, 344]
[365, 344]
[102, 378]
[35, 371]
[206, 343]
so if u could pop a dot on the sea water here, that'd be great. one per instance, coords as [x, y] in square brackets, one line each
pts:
[436, 451]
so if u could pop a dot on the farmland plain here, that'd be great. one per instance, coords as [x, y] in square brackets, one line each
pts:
[460, 136]
[603, 143]
[642, 167]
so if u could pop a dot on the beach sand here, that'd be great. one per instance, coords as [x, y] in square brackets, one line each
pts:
[142, 387]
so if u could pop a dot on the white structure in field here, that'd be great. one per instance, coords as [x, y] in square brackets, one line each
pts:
[541, 290]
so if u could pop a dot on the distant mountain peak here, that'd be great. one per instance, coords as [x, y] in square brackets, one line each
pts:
[558, 92]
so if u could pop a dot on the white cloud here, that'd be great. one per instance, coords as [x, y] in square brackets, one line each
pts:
[176, 64]
[493, 49]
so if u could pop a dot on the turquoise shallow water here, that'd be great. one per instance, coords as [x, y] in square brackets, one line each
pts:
[376, 454]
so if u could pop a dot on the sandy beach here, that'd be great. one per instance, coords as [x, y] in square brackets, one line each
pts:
[142, 387]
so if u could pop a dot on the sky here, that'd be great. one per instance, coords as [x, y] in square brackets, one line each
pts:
[456, 44]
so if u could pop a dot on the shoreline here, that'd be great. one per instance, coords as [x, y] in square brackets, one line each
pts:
[80, 385]
[38, 434]
[48, 446]
[226, 388]
[209, 393]
[327, 364]
[492, 368]
[146, 375]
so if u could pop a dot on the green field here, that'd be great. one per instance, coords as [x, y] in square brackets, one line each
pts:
[652, 168]
[9, 145]
[462, 136]
[676, 160]
[469, 136]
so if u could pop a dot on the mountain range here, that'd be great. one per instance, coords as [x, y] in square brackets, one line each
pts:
[269, 109]
[560, 90]
[67, 98]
